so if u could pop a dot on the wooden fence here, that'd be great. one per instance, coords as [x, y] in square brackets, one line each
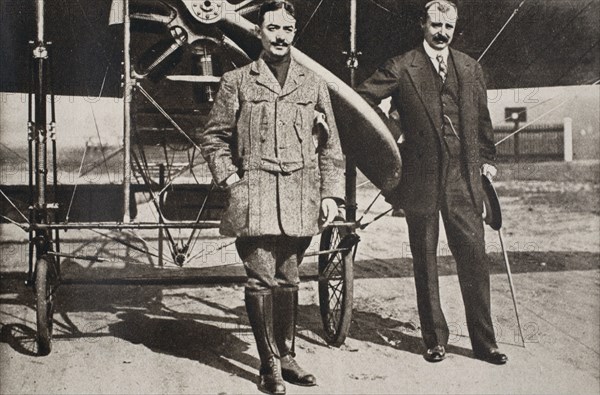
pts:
[534, 143]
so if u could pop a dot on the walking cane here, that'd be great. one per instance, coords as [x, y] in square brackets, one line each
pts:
[510, 283]
[493, 217]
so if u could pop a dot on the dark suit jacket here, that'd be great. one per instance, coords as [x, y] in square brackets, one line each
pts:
[409, 80]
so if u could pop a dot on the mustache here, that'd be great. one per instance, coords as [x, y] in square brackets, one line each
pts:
[280, 42]
[440, 38]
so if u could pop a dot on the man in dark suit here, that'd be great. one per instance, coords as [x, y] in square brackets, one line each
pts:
[440, 96]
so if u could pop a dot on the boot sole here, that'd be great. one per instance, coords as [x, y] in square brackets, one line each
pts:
[301, 384]
[264, 391]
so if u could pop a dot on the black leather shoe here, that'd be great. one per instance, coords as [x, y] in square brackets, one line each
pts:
[294, 374]
[493, 356]
[285, 314]
[435, 354]
[271, 381]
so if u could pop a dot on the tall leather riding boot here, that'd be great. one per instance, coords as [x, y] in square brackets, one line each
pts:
[259, 306]
[285, 315]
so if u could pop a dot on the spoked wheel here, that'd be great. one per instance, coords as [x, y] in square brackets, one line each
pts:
[336, 276]
[46, 282]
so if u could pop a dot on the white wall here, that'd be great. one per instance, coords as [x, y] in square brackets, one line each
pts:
[581, 103]
[75, 116]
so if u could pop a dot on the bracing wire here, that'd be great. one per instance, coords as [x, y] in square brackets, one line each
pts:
[382, 7]
[13, 152]
[13, 222]
[308, 22]
[100, 141]
[242, 4]
[579, 61]
[124, 242]
[96, 123]
[541, 116]
[535, 120]
[98, 163]
[501, 30]
[551, 42]
[75, 37]
[137, 236]
[167, 116]
[224, 245]
[76, 182]
[192, 240]
[154, 214]
[363, 226]
[369, 206]
[14, 206]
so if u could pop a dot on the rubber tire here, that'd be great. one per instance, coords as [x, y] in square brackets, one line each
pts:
[336, 306]
[45, 282]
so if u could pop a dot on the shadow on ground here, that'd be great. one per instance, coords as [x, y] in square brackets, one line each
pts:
[217, 335]
[520, 262]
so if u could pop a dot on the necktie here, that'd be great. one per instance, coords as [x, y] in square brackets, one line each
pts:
[443, 71]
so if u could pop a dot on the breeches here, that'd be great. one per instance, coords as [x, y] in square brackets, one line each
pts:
[272, 261]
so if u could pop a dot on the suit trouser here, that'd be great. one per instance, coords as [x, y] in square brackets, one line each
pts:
[272, 261]
[465, 234]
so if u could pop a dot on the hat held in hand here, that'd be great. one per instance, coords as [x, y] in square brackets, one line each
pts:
[493, 214]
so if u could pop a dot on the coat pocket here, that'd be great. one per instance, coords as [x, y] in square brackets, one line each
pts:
[304, 117]
[299, 125]
[234, 221]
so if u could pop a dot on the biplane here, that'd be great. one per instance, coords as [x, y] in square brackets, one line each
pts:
[163, 60]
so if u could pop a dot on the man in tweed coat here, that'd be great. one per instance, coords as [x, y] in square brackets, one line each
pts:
[440, 97]
[272, 142]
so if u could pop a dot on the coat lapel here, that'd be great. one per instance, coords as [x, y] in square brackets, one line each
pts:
[265, 77]
[421, 76]
[294, 78]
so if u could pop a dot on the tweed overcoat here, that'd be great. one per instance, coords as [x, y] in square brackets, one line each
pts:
[409, 80]
[283, 143]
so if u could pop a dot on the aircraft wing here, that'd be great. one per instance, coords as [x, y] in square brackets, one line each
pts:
[543, 43]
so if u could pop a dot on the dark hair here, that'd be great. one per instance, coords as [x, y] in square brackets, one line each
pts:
[273, 5]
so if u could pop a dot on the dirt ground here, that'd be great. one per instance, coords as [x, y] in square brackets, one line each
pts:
[184, 338]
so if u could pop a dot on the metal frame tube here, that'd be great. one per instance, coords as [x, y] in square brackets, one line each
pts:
[350, 165]
[207, 224]
[40, 56]
[52, 134]
[40, 133]
[127, 121]
[40, 20]
[353, 29]
[30, 160]
[130, 225]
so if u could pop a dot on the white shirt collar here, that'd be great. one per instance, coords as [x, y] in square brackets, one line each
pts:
[433, 53]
